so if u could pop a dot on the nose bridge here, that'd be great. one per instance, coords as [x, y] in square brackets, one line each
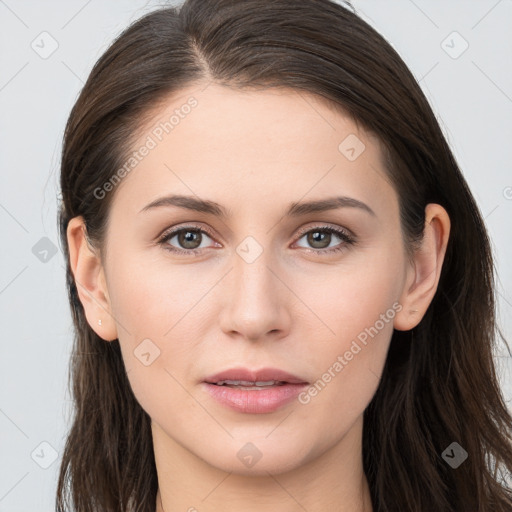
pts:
[252, 277]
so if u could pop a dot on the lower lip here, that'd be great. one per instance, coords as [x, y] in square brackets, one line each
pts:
[254, 401]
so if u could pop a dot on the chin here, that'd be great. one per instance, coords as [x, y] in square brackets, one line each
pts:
[259, 457]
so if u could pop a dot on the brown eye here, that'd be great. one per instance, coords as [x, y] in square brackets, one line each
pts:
[189, 240]
[319, 239]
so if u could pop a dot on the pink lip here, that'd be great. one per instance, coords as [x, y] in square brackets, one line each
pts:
[264, 374]
[254, 401]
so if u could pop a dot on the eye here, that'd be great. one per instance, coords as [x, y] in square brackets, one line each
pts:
[320, 238]
[189, 239]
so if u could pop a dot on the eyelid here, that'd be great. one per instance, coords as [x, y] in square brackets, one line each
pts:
[178, 228]
[321, 226]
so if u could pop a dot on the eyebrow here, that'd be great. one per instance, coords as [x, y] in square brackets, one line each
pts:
[296, 209]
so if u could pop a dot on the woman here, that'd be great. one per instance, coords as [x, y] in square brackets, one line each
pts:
[281, 286]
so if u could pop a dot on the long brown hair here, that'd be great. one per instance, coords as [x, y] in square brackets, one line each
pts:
[439, 384]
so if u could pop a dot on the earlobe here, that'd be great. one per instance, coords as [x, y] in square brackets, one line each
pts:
[423, 275]
[90, 280]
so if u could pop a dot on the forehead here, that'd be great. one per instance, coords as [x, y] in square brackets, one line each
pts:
[215, 139]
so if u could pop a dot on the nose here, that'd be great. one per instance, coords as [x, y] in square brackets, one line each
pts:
[255, 300]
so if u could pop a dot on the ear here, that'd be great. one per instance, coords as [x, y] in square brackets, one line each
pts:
[90, 280]
[424, 272]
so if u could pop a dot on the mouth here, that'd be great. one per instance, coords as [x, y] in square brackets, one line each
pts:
[255, 392]
[245, 384]
[245, 378]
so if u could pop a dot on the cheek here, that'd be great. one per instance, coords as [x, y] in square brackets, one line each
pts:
[159, 315]
[152, 298]
[356, 307]
[346, 300]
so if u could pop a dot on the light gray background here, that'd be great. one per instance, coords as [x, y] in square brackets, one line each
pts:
[471, 95]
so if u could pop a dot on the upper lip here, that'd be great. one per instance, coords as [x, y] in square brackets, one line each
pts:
[262, 375]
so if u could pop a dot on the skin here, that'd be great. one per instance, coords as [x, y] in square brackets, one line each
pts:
[255, 153]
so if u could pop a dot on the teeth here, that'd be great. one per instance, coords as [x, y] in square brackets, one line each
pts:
[248, 383]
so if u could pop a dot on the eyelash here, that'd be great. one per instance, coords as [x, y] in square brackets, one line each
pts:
[347, 238]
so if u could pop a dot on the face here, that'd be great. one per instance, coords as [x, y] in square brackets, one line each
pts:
[312, 291]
